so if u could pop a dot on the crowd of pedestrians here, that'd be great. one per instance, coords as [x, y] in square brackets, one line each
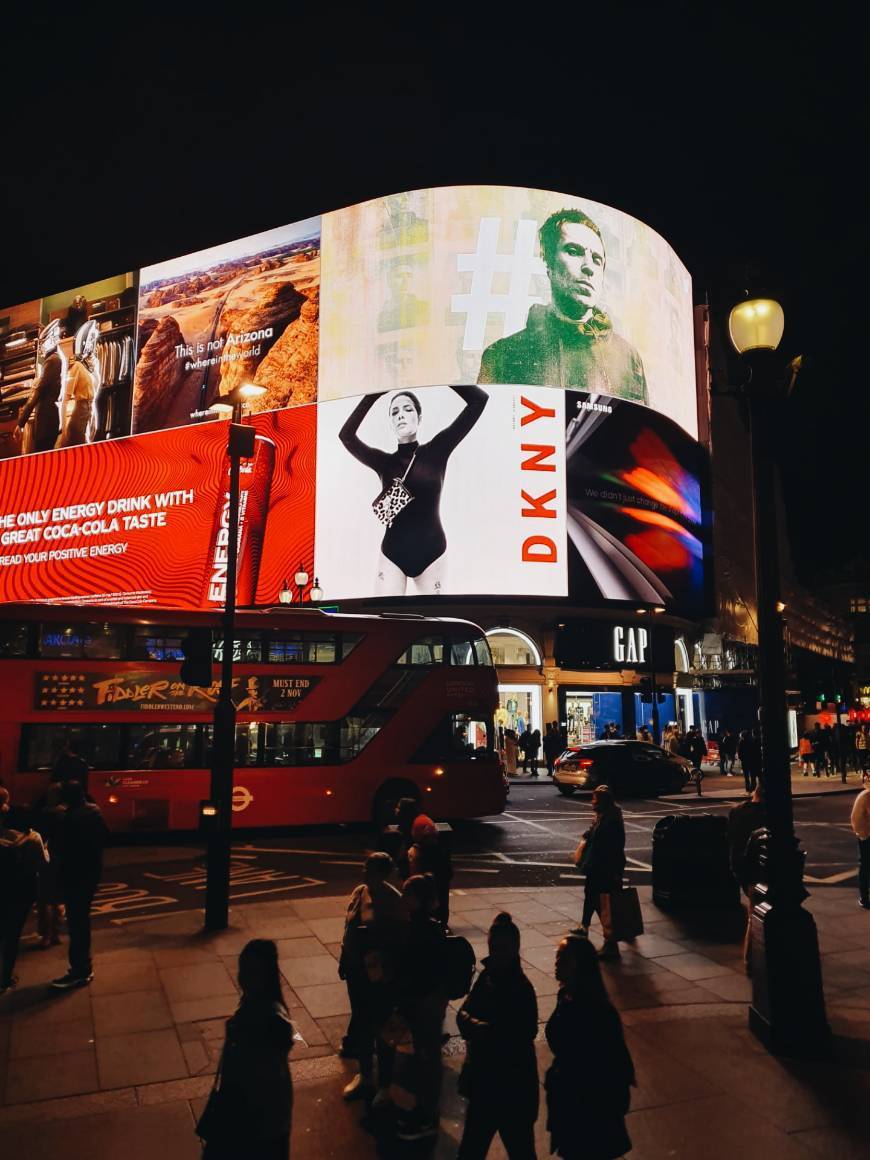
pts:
[832, 750]
[53, 860]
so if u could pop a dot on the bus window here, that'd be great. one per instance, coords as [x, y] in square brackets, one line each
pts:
[247, 647]
[13, 639]
[99, 745]
[461, 653]
[428, 650]
[458, 737]
[481, 651]
[349, 641]
[302, 648]
[94, 641]
[156, 643]
[297, 743]
[162, 746]
[245, 750]
[357, 731]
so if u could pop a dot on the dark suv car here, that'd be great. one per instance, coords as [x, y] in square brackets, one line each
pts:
[630, 768]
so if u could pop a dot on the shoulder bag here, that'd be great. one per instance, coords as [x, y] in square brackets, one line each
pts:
[394, 498]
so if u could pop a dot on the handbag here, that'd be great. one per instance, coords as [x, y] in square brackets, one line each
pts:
[394, 498]
[621, 916]
[217, 1120]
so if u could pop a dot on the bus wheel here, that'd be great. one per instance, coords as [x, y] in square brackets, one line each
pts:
[384, 804]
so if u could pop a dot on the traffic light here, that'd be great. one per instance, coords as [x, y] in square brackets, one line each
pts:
[196, 668]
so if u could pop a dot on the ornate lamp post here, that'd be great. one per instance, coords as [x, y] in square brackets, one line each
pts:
[788, 1006]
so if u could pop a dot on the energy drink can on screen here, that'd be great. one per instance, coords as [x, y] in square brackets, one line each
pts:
[255, 483]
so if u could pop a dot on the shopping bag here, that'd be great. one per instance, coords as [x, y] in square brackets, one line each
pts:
[621, 916]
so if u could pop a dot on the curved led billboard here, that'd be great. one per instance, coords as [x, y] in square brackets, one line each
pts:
[473, 390]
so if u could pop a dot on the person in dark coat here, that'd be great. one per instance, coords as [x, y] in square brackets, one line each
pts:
[22, 856]
[697, 747]
[589, 1082]
[749, 752]
[428, 855]
[83, 837]
[422, 1001]
[602, 861]
[50, 812]
[499, 1022]
[369, 931]
[727, 752]
[255, 1088]
[70, 766]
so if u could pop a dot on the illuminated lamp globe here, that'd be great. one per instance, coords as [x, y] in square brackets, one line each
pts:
[301, 577]
[285, 595]
[224, 410]
[249, 391]
[756, 324]
[316, 592]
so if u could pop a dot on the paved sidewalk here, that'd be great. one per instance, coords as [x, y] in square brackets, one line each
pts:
[122, 1068]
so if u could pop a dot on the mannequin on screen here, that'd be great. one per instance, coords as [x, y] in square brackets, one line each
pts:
[39, 419]
[82, 387]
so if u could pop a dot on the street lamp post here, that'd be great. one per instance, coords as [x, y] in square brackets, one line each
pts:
[788, 1006]
[240, 444]
[654, 610]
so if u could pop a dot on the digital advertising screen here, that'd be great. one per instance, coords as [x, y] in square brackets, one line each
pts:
[66, 367]
[244, 312]
[468, 391]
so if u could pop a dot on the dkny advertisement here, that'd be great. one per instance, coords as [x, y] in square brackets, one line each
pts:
[442, 491]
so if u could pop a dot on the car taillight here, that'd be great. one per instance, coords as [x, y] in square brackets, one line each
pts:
[586, 763]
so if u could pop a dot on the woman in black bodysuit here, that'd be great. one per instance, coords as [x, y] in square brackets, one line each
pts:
[414, 546]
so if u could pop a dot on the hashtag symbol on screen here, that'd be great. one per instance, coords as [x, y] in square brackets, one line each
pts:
[486, 261]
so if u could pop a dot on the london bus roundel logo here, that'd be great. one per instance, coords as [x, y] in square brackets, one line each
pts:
[242, 798]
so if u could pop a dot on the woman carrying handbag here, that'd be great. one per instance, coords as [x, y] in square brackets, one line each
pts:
[601, 857]
[248, 1114]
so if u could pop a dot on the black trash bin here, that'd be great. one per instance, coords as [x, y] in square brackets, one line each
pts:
[690, 864]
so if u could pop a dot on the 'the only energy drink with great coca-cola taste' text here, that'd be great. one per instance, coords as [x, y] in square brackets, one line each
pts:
[255, 483]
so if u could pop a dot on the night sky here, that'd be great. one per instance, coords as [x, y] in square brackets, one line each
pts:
[739, 136]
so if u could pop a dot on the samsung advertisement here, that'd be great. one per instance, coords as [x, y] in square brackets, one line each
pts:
[467, 391]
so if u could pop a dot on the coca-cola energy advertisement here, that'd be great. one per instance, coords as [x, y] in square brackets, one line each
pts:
[144, 520]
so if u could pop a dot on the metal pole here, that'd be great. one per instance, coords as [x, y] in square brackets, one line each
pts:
[224, 730]
[656, 731]
[788, 1006]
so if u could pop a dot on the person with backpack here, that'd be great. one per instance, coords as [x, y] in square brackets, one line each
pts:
[499, 1023]
[589, 1082]
[22, 856]
[429, 855]
[601, 857]
[369, 930]
[422, 993]
[83, 837]
[250, 1109]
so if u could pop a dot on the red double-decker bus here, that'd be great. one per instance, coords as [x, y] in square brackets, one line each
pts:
[338, 715]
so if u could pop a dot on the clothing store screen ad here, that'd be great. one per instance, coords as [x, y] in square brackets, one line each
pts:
[66, 367]
[462, 490]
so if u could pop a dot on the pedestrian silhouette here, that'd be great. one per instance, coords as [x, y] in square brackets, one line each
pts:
[22, 856]
[83, 836]
[499, 1022]
[250, 1108]
[588, 1083]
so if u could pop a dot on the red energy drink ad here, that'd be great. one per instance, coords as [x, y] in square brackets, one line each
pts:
[139, 520]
